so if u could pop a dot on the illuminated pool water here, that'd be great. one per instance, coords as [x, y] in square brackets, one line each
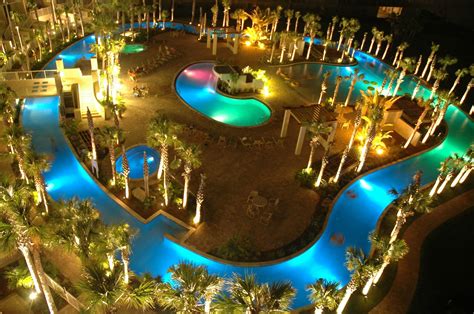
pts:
[196, 85]
[135, 161]
[133, 48]
[355, 218]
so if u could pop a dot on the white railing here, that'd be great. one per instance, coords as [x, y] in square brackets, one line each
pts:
[27, 75]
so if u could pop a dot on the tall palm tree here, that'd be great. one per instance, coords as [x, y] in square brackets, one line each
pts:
[377, 105]
[162, 133]
[469, 85]
[466, 163]
[439, 75]
[105, 290]
[314, 29]
[426, 105]
[345, 154]
[122, 236]
[190, 154]
[360, 267]
[447, 61]
[355, 77]
[324, 86]
[334, 21]
[409, 201]
[434, 49]
[389, 39]
[289, 15]
[386, 252]
[400, 49]
[315, 129]
[418, 64]
[324, 294]
[37, 164]
[246, 295]
[308, 19]
[110, 138]
[199, 199]
[297, 17]
[19, 230]
[391, 75]
[459, 74]
[407, 65]
[191, 286]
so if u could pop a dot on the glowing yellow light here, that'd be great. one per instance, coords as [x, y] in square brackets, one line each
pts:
[265, 91]
[379, 150]
[248, 43]
[261, 46]
[33, 295]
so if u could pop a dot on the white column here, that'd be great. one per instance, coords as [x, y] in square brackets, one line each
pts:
[286, 121]
[299, 144]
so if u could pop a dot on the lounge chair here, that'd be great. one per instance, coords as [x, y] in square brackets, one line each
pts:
[252, 211]
[251, 196]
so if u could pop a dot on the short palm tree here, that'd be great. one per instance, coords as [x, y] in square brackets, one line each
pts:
[190, 154]
[105, 290]
[246, 295]
[191, 287]
[324, 294]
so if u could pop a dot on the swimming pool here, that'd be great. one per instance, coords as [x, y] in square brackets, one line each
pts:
[196, 85]
[355, 218]
[135, 161]
[133, 48]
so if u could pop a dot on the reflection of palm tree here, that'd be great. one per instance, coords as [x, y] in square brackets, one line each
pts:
[246, 295]
[324, 295]
[192, 285]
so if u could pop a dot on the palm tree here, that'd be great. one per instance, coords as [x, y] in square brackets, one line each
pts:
[444, 171]
[274, 18]
[19, 230]
[409, 201]
[447, 61]
[466, 163]
[426, 105]
[308, 19]
[316, 129]
[355, 77]
[90, 123]
[164, 15]
[275, 41]
[37, 164]
[324, 86]
[363, 41]
[215, 12]
[386, 252]
[105, 290]
[343, 25]
[226, 6]
[110, 138]
[379, 38]
[407, 65]
[352, 28]
[399, 55]
[358, 264]
[297, 17]
[345, 154]
[439, 75]
[122, 236]
[418, 64]
[190, 154]
[377, 105]
[469, 85]
[289, 15]
[459, 74]
[162, 133]
[389, 39]
[199, 199]
[374, 31]
[126, 172]
[324, 163]
[314, 28]
[392, 75]
[324, 295]
[240, 16]
[192, 285]
[246, 295]
[334, 21]
[434, 49]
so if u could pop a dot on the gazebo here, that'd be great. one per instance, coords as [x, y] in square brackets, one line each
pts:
[306, 114]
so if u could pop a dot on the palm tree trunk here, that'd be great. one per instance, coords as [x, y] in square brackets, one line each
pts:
[126, 263]
[187, 178]
[469, 86]
[380, 271]
[435, 186]
[368, 285]
[416, 89]
[312, 144]
[165, 175]
[310, 46]
[31, 268]
[318, 310]
[324, 163]
[345, 299]
[415, 129]
[371, 45]
[445, 182]
[456, 82]
[366, 147]
[430, 58]
[386, 50]
[466, 174]
[399, 82]
[458, 176]
[110, 260]
[341, 37]
[43, 281]
[363, 42]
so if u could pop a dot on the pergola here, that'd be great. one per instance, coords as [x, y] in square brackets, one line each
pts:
[304, 115]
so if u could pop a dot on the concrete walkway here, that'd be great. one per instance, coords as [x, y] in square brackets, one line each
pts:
[399, 297]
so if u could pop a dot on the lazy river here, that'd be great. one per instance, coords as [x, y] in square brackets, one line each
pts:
[355, 218]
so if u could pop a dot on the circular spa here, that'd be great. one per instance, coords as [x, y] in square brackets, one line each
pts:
[196, 85]
[133, 48]
[135, 161]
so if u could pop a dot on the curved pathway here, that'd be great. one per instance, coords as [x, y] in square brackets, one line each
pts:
[154, 253]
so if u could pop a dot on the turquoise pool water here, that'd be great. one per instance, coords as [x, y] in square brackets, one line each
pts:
[136, 162]
[133, 48]
[154, 253]
[196, 85]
